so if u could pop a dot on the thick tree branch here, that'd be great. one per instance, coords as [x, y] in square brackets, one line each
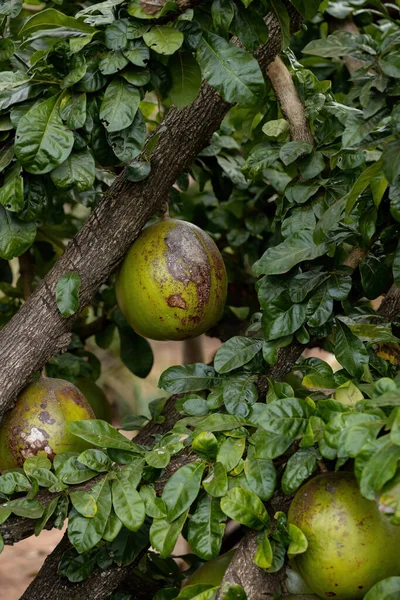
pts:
[38, 331]
[27, 273]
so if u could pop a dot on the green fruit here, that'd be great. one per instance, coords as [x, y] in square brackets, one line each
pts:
[172, 284]
[37, 425]
[351, 545]
[96, 398]
[213, 571]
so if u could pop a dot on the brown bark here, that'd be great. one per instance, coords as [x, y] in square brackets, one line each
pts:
[390, 306]
[26, 272]
[348, 24]
[289, 101]
[38, 331]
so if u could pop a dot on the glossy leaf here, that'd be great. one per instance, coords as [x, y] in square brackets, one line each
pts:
[245, 507]
[205, 530]
[67, 294]
[127, 503]
[235, 353]
[42, 141]
[181, 489]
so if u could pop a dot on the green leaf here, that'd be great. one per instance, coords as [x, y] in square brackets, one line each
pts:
[304, 283]
[158, 458]
[137, 53]
[135, 351]
[164, 534]
[293, 150]
[276, 128]
[281, 317]
[298, 541]
[13, 482]
[70, 471]
[73, 110]
[186, 79]
[112, 63]
[195, 405]
[239, 393]
[155, 507]
[137, 170]
[100, 433]
[388, 589]
[362, 183]
[128, 504]
[113, 528]
[379, 469]
[243, 506]
[205, 530]
[235, 353]
[181, 489]
[300, 466]
[222, 12]
[391, 161]
[350, 351]
[128, 143]
[307, 8]
[260, 475]
[216, 482]
[340, 43]
[84, 533]
[12, 192]
[11, 8]
[233, 72]
[84, 503]
[205, 445]
[16, 236]
[163, 39]
[319, 308]
[67, 294]
[263, 556]
[299, 246]
[116, 34]
[96, 460]
[287, 417]
[52, 20]
[219, 422]
[42, 141]
[48, 513]
[188, 378]
[78, 170]
[119, 105]
[30, 509]
[230, 452]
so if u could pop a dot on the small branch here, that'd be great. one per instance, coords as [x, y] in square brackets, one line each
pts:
[322, 466]
[192, 351]
[33, 8]
[289, 101]
[86, 331]
[27, 273]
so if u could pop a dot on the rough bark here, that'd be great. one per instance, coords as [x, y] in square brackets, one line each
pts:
[289, 101]
[49, 585]
[38, 331]
[390, 306]
[348, 24]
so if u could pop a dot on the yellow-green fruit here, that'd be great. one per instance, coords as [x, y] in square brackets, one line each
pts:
[96, 398]
[172, 284]
[37, 425]
[213, 571]
[351, 545]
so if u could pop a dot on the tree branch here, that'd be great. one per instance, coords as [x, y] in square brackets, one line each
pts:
[289, 101]
[26, 272]
[38, 331]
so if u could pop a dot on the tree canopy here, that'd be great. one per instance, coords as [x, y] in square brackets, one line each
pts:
[275, 127]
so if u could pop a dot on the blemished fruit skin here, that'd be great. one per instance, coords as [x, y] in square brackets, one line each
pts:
[37, 425]
[212, 572]
[96, 398]
[351, 546]
[172, 284]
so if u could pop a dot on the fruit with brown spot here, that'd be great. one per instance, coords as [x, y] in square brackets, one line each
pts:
[37, 425]
[172, 284]
[351, 545]
[96, 398]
